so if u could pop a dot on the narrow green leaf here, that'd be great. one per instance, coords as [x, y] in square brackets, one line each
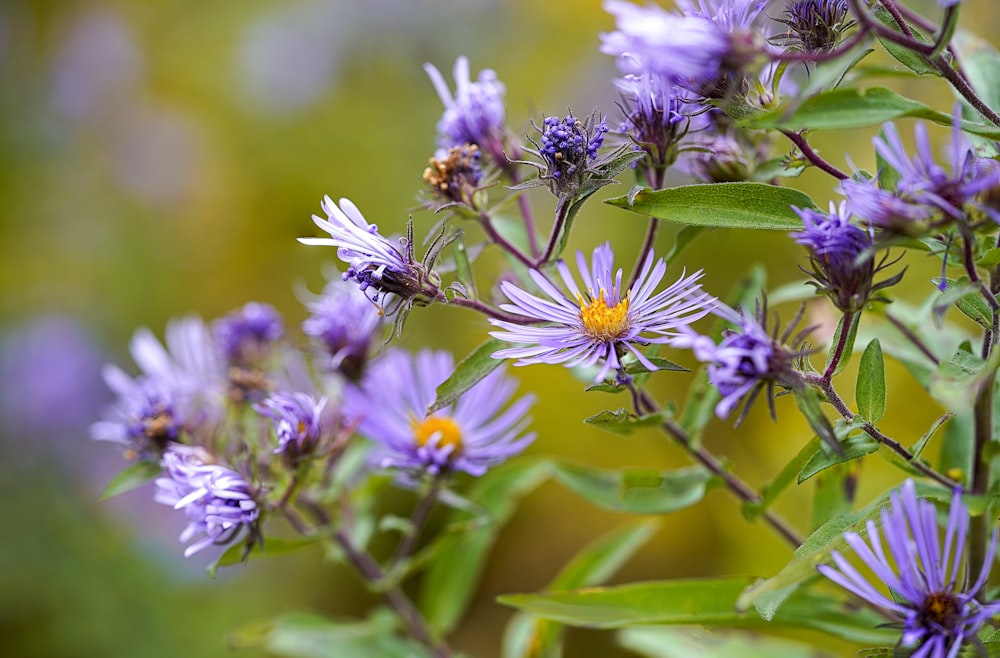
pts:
[709, 602]
[848, 108]
[807, 400]
[131, 477]
[852, 334]
[905, 56]
[981, 63]
[636, 367]
[671, 642]
[834, 493]
[592, 565]
[621, 421]
[469, 372]
[725, 205]
[271, 547]
[853, 447]
[451, 579]
[463, 269]
[990, 258]
[870, 389]
[919, 446]
[636, 490]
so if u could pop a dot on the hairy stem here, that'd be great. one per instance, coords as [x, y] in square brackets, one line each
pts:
[562, 212]
[841, 347]
[504, 243]
[813, 157]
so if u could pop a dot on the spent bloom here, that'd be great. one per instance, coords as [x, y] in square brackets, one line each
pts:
[297, 419]
[924, 182]
[218, 502]
[602, 323]
[929, 591]
[454, 178]
[378, 266]
[475, 114]
[841, 255]
[246, 336]
[471, 435]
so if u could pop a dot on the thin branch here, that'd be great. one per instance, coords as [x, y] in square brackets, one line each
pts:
[813, 157]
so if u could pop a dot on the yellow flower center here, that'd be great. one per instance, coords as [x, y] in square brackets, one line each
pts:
[603, 322]
[442, 429]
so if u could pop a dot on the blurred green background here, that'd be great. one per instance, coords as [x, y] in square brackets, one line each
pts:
[160, 158]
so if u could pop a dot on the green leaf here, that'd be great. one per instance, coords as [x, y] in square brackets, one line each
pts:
[870, 389]
[807, 400]
[725, 205]
[621, 421]
[990, 258]
[593, 565]
[451, 579]
[271, 547]
[670, 642]
[469, 372]
[463, 269]
[636, 367]
[919, 446]
[981, 63]
[905, 56]
[709, 602]
[636, 490]
[834, 493]
[683, 240]
[131, 477]
[301, 635]
[854, 447]
[848, 108]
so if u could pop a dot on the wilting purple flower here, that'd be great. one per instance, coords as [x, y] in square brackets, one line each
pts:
[245, 336]
[345, 322]
[814, 26]
[475, 114]
[928, 590]
[745, 358]
[372, 261]
[841, 253]
[923, 181]
[455, 177]
[471, 435]
[691, 48]
[297, 422]
[218, 502]
[605, 322]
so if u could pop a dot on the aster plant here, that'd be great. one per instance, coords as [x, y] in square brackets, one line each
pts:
[404, 462]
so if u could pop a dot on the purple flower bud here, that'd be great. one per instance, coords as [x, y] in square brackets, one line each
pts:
[297, 423]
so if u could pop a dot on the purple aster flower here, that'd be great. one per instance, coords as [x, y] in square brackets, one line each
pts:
[928, 590]
[472, 435]
[475, 114]
[814, 26]
[143, 419]
[924, 182]
[297, 423]
[656, 117]
[246, 336]
[841, 253]
[719, 158]
[692, 48]
[882, 209]
[372, 260]
[189, 366]
[605, 322]
[218, 502]
[746, 359]
[567, 147]
[344, 321]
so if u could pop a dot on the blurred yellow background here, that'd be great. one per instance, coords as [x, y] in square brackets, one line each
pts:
[160, 158]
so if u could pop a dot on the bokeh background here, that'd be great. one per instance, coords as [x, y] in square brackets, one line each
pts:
[160, 158]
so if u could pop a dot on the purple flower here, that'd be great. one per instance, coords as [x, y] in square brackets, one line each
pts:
[475, 114]
[885, 210]
[372, 261]
[924, 182]
[246, 336]
[344, 321]
[455, 177]
[718, 158]
[218, 502]
[745, 358]
[472, 435]
[842, 255]
[297, 422]
[656, 117]
[143, 419]
[567, 147]
[928, 590]
[602, 324]
[690, 49]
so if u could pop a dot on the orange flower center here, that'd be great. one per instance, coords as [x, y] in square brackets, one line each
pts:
[603, 322]
[442, 431]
